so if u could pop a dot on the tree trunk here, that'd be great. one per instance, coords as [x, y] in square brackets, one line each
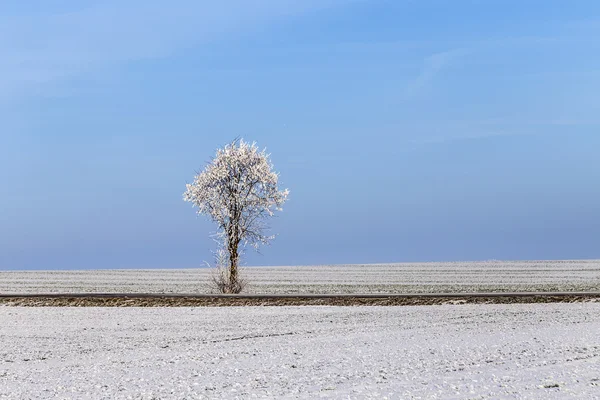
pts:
[234, 284]
[233, 268]
[233, 242]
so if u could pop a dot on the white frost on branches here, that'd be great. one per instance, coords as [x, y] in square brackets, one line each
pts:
[238, 191]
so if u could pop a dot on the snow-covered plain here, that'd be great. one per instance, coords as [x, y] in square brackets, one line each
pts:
[543, 351]
[381, 278]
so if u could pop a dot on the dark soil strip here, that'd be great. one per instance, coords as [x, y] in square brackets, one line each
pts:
[227, 301]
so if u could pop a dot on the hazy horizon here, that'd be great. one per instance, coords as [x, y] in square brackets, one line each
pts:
[204, 266]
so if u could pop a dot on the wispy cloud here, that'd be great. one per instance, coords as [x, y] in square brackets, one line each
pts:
[432, 66]
[42, 49]
[465, 137]
[492, 128]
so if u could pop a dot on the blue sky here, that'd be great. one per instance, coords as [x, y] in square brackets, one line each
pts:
[405, 130]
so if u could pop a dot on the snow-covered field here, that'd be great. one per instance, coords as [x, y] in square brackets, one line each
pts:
[398, 278]
[545, 351]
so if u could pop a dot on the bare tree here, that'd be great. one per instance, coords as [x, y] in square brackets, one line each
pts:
[238, 191]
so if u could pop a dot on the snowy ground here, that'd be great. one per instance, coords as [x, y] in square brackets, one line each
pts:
[390, 278]
[545, 351]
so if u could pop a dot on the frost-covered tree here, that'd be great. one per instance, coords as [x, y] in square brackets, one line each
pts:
[238, 190]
